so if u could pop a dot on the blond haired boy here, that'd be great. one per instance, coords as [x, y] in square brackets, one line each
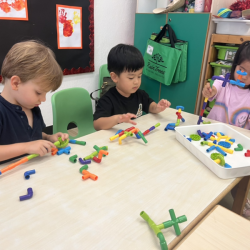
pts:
[29, 72]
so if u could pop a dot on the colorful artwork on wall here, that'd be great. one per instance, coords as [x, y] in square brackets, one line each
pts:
[69, 27]
[13, 10]
[45, 23]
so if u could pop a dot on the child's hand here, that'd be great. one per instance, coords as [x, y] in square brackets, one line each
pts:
[162, 105]
[53, 138]
[207, 91]
[126, 118]
[41, 147]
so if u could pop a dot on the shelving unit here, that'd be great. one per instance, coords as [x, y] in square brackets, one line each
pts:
[212, 54]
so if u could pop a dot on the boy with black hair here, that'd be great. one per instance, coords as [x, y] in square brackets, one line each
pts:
[125, 101]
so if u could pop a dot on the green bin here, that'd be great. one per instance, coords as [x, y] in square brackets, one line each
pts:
[220, 69]
[226, 53]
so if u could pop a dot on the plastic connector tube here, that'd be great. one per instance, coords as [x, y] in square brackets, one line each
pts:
[85, 167]
[101, 153]
[73, 158]
[13, 165]
[64, 150]
[28, 173]
[83, 162]
[27, 196]
[97, 160]
[78, 142]
[95, 153]
[210, 149]
[220, 151]
[87, 174]
[122, 138]
[142, 136]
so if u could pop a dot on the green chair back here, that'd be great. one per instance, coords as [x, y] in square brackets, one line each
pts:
[103, 72]
[72, 105]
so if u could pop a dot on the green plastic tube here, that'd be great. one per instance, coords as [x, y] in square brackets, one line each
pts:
[142, 136]
[73, 159]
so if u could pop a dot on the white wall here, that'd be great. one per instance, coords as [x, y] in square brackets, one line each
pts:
[114, 23]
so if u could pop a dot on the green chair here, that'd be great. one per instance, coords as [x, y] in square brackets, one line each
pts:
[72, 105]
[103, 72]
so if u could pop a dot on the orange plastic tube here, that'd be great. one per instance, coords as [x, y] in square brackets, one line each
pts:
[13, 165]
[54, 151]
[101, 153]
[87, 174]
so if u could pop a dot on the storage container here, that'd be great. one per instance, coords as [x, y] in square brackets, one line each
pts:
[239, 163]
[232, 26]
[226, 52]
[220, 69]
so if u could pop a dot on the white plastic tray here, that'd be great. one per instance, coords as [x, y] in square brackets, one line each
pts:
[239, 163]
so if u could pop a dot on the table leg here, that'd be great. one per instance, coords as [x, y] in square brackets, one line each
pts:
[241, 195]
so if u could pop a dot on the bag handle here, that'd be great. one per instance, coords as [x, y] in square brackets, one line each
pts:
[91, 95]
[171, 34]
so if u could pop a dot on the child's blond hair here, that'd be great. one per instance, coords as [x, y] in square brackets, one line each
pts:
[32, 60]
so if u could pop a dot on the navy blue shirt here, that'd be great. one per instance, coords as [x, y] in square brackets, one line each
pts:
[14, 125]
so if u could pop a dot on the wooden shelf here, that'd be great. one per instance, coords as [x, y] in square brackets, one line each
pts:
[213, 52]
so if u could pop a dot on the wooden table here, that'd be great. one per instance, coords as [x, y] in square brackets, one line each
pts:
[66, 212]
[220, 229]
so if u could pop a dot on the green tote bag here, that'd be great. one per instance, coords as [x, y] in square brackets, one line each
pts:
[166, 62]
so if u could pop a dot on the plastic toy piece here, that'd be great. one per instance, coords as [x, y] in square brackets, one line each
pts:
[78, 142]
[27, 158]
[220, 151]
[60, 143]
[87, 174]
[27, 196]
[202, 111]
[189, 139]
[169, 127]
[64, 150]
[207, 136]
[122, 138]
[73, 158]
[97, 160]
[228, 140]
[101, 153]
[85, 167]
[148, 131]
[239, 148]
[210, 149]
[54, 151]
[237, 83]
[142, 136]
[227, 165]
[83, 162]
[200, 134]
[225, 80]
[220, 160]
[225, 144]
[95, 153]
[195, 137]
[232, 140]
[247, 154]
[230, 151]
[28, 173]
[119, 131]
[208, 122]
[120, 134]
[214, 156]
[157, 228]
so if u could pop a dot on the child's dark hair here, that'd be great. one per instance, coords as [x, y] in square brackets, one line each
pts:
[242, 54]
[124, 57]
